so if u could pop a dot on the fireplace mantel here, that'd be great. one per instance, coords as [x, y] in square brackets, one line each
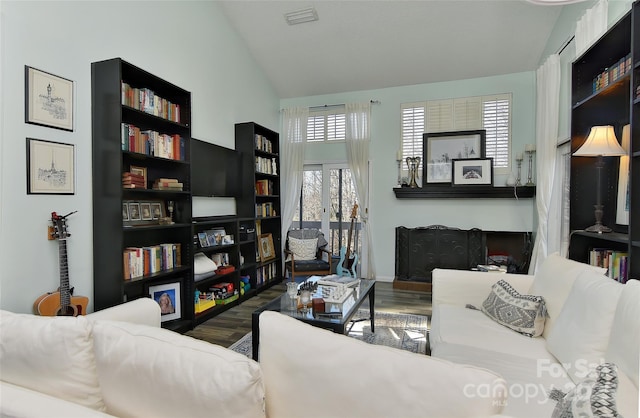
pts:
[446, 191]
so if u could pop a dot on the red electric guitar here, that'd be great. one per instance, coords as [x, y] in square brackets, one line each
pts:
[61, 302]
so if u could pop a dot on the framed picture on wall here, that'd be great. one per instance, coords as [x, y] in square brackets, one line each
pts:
[442, 147]
[50, 167]
[48, 99]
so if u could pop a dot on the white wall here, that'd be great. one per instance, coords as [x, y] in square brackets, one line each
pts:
[187, 43]
[386, 212]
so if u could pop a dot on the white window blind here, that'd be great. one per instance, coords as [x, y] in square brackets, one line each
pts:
[496, 120]
[492, 113]
[326, 125]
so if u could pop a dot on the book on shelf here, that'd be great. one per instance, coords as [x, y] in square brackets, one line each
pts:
[616, 262]
[142, 261]
[153, 143]
[145, 99]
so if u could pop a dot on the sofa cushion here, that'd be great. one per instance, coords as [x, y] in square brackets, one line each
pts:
[17, 401]
[52, 355]
[595, 395]
[624, 343]
[522, 313]
[146, 371]
[553, 281]
[581, 333]
[324, 374]
[468, 336]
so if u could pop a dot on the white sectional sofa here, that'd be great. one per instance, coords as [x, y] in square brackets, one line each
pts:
[591, 320]
[106, 365]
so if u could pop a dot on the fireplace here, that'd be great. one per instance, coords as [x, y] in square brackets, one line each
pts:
[420, 250]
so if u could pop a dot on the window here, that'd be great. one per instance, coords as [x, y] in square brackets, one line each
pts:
[492, 113]
[326, 125]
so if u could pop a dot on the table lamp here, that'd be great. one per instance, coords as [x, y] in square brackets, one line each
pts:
[601, 142]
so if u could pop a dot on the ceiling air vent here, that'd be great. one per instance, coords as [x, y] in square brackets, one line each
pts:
[301, 16]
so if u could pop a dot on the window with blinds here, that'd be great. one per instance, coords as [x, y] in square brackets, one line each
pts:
[326, 125]
[492, 113]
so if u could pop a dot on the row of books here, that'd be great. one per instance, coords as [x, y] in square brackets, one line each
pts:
[133, 181]
[267, 165]
[265, 209]
[266, 273]
[264, 187]
[142, 261]
[152, 143]
[612, 74]
[147, 101]
[263, 144]
[616, 262]
[167, 184]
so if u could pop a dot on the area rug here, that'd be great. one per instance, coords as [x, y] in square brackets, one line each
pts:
[402, 331]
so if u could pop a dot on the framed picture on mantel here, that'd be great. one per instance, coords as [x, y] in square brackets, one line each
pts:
[442, 147]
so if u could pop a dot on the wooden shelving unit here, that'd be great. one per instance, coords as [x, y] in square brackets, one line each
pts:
[260, 204]
[114, 153]
[615, 104]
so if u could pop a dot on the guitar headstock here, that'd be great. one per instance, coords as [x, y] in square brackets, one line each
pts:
[354, 211]
[59, 230]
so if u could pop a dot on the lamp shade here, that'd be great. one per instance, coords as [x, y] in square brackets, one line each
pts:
[601, 141]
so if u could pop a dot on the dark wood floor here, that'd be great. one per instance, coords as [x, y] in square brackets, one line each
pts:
[233, 324]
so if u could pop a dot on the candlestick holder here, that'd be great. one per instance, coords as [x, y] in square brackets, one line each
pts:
[530, 176]
[413, 163]
[399, 172]
[519, 178]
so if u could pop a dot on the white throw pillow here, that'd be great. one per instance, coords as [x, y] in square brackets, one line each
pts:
[624, 343]
[203, 264]
[303, 249]
[153, 372]
[580, 336]
[311, 372]
[52, 355]
[553, 281]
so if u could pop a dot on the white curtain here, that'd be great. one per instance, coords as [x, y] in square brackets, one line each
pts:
[294, 125]
[547, 114]
[591, 26]
[358, 139]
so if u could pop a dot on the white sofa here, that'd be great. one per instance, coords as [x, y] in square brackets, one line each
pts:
[591, 319]
[106, 365]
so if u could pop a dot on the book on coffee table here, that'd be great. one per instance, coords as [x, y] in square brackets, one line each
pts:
[335, 280]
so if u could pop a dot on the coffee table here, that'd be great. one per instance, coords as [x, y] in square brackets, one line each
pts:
[338, 323]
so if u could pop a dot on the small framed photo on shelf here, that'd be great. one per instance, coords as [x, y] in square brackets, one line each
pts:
[134, 211]
[141, 171]
[125, 212]
[157, 211]
[265, 247]
[202, 238]
[145, 211]
[50, 167]
[469, 172]
[48, 99]
[442, 147]
[168, 297]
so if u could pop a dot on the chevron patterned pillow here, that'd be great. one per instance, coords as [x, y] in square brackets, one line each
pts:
[595, 396]
[522, 313]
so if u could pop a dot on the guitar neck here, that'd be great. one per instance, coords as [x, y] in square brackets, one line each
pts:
[65, 296]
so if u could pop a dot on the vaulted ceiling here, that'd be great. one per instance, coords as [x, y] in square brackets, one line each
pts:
[367, 44]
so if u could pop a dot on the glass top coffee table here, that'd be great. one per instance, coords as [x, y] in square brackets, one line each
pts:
[337, 316]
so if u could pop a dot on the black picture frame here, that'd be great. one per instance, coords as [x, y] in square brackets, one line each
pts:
[49, 99]
[472, 172]
[50, 167]
[439, 148]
